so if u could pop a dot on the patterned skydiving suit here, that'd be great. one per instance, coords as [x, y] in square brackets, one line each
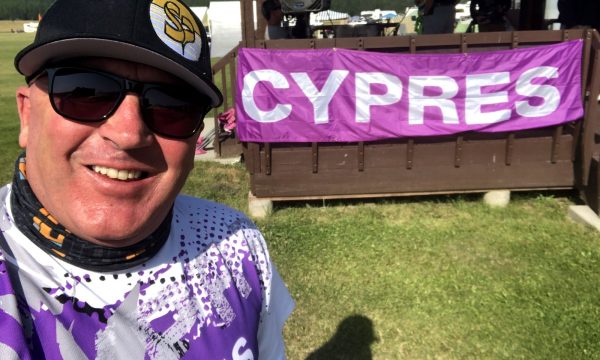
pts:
[211, 292]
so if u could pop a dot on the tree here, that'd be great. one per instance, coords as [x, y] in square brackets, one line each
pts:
[22, 9]
[29, 9]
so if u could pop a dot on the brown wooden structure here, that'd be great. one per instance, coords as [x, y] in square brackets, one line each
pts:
[559, 157]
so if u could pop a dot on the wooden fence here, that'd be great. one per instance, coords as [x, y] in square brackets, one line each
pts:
[558, 157]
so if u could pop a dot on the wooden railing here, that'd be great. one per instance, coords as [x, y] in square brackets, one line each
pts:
[224, 73]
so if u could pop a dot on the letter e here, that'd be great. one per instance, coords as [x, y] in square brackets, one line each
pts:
[475, 99]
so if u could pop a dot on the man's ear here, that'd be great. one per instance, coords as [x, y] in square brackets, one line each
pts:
[24, 109]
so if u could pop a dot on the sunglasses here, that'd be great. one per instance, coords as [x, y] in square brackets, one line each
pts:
[87, 95]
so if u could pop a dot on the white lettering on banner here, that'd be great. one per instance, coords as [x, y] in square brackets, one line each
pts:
[417, 101]
[476, 99]
[235, 352]
[549, 94]
[320, 99]
[365, 99]
[278, 81]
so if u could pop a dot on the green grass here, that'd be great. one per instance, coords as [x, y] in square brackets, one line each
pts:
[10, 80]
[430, 277]
[441, 278]
[415, 278]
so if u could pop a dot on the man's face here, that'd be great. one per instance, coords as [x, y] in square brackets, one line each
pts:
[65, 160]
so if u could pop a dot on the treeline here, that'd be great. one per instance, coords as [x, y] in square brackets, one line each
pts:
[22, 9]
[30, 9]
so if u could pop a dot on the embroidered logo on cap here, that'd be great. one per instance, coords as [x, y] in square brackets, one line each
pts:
[176, 27]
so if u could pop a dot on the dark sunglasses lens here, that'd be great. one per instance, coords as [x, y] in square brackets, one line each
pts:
[172, 113]
[84, 96]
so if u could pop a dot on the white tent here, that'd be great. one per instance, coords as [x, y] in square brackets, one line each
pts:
[225, 22]
[327, 15]
[201, 13]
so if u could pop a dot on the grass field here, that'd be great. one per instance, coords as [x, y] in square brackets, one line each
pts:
[415, 278]
[9, 123]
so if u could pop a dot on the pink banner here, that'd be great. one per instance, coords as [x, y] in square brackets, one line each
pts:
[336, 95]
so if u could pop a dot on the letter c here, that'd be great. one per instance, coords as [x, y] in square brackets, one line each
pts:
[278, 81]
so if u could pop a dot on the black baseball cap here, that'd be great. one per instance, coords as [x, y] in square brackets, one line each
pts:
[165, 34]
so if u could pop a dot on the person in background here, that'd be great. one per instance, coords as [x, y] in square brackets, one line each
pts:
[438, 16]
[271, 10]
[301, 29]
[100, 256]
[489, 14]
[579, 14]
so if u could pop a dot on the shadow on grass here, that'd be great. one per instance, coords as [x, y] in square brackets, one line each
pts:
[352, 341]
[571, 195]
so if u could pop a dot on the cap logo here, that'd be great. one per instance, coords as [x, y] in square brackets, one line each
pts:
[175, 25]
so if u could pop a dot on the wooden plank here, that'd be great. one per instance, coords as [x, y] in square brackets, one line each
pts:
[247, 158]
[232, 73]
[403, 194]
[422, 179]
[576, 139]
[261, 23]
[252, 157]
[248, 31]
[446, 43]
[360, 156]
[590, 123]
[315, 157]
[410, 152]
[224, 88]
[441, 153]
[458, 149]
[556, 144]
[510, 144]
[585, 62]
[268, 162]
[592, 190]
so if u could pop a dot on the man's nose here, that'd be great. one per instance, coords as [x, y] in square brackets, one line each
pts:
[125, 127]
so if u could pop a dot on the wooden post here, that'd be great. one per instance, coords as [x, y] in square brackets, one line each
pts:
[590, 125]
[248, 38]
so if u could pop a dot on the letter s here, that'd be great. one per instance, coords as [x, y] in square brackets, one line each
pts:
[548, 93]
[235, 352]
[278, 81]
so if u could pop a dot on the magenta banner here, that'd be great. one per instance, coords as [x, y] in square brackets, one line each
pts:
[336, 95]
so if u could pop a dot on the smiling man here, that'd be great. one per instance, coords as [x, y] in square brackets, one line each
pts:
[101, 256]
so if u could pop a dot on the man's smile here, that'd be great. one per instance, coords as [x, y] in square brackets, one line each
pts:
[118, 174]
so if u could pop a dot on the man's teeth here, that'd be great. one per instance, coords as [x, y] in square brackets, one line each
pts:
[117, 174]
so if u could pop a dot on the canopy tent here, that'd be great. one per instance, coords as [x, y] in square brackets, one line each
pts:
[327, 15]
[224, 19]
